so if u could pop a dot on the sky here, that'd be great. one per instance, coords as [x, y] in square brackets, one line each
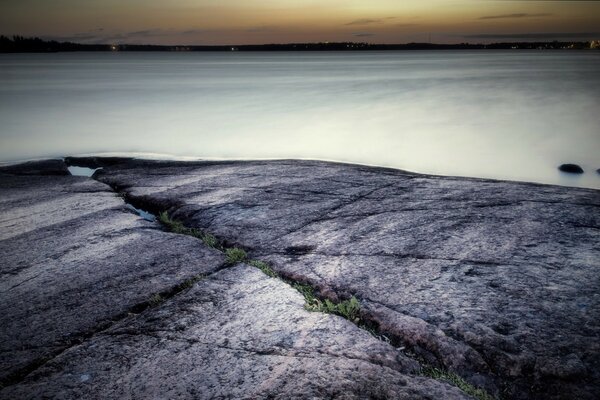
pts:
[211, 22]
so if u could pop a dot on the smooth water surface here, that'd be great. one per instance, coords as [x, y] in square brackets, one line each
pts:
[498, 114]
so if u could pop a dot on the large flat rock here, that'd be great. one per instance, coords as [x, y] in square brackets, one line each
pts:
[73, 259]
[237, 334]
[497, 281]
[97, 303]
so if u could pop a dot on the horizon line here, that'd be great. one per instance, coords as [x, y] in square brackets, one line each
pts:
[233, 45]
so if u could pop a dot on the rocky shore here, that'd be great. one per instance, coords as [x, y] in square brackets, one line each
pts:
[466, 287]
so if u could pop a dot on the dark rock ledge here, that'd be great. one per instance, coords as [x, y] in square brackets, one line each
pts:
[496, 281]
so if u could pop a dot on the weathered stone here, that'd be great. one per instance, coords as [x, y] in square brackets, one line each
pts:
[490, 279]
[571, 168]
[42, 167]
[98, 303]
[94, 162]
[237, 334]
[73, 259]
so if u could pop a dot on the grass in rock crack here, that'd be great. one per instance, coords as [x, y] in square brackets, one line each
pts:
[235, 255]
[178, 227]
[264, 267]
[455, 380]
[159, 298]
[348, 309]
[155, 300]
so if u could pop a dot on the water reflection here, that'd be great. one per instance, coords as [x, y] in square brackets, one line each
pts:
[82, 171]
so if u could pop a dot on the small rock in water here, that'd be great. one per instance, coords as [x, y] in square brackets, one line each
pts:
[571, 168]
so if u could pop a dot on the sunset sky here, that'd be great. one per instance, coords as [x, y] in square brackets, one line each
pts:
[285, 21]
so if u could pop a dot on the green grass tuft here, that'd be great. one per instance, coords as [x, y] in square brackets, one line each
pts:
[349, 309]
[210, 240]
[173, 225]
[312, 303]
[155, 300]
[178, 227]
[188, 283]
[453, 379]
[264, 267]
[235, 255]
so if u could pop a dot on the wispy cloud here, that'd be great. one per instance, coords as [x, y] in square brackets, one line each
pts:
[365, 21]
[149, 33]
[262, 28]
[541, 36]
[362, 34]
[100, 36]
[516, 15]
[76, 37]
[194, 31]
[405, 25]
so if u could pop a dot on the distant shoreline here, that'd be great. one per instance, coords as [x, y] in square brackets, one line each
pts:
[19, 44]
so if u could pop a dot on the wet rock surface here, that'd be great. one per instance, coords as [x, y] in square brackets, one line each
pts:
[98, 303]
[497, 281]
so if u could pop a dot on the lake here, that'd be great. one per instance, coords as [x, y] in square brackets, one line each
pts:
[513, 115]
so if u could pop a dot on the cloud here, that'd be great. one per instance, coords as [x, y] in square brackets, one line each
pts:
[516, 15]
[262, 28]
[404, 25]
[543, 36]
[147, 33]
[99, 36]
[76, 37]
[362, 34]
[194, 31]
[364, 21]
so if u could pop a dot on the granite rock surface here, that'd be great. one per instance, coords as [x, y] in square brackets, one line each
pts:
[99, 303]
[497, 281]
[237, 334]
[74, 259]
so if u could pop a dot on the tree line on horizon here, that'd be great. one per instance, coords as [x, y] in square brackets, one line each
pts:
[20, 44]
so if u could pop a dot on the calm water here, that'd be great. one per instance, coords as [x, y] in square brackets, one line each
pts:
[511, 115]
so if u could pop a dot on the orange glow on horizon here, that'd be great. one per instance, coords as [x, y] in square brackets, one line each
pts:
[278, 21]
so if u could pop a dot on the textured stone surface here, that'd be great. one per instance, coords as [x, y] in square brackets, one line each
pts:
[72, 259]
[80, 318]
[498, 281]
[237, 334]
[42, 167]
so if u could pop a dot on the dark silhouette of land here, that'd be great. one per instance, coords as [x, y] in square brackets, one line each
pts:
[20, 44]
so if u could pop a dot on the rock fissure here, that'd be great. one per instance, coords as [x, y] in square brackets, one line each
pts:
[81, 337]
[493, 292]
[323, 216]
[502, 229]
[279, 352]
[392, 255]
[368, 324]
